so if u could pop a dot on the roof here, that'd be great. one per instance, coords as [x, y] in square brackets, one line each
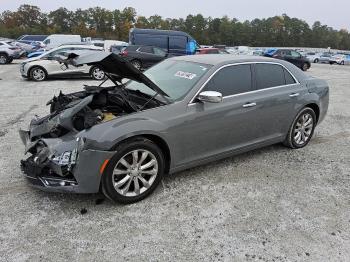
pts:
[218, 60]
[215, 59]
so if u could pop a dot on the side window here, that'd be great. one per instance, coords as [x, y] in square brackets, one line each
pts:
[231, 80]
[146, 49]
[295, 54]
[177, 42]
[158, 51]
[289, 79]
[1, 43]
[269, 75]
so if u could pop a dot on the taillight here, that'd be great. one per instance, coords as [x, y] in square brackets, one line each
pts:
[124, 53]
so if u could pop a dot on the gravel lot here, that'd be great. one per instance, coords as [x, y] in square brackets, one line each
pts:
[272, 204]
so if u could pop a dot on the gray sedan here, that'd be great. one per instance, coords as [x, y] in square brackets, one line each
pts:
[183, 112]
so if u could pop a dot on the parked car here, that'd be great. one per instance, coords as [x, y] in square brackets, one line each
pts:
[324, 58]
[173, 42]
[117, 49]
[313, 57]
[291, 56]
[210, 50]
[339, 59]
[55, 40]
[48, 65]
[143, 57]
[32, 38]
[8, 52]
[181, 113]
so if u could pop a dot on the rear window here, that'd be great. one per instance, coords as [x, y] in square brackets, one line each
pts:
[269, 75]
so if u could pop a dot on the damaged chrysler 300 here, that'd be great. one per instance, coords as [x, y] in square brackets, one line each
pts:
[181, 113]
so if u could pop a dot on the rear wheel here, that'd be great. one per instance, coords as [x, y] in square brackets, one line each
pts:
[137, 64]
[3, 59]
[305, 67]
[38, 74]
[342, 63]
[97, 73]
[134, 171]
[316, 60]
[302, 129]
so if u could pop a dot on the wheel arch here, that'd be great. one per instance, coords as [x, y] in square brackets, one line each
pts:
[316, 109]
[33, 66]
[159, 141]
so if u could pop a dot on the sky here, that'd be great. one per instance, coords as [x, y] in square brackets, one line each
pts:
[333, 13]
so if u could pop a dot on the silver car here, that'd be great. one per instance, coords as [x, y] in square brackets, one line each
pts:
[49, 64]
[181, 113]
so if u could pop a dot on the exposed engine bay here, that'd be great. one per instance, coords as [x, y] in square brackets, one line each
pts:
[84, 109]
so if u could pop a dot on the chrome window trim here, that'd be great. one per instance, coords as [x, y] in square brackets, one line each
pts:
[249, 92]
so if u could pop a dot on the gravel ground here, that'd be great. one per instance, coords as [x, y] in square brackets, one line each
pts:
[272, 204]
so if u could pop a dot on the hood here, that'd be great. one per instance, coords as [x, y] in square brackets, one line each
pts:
[114, 65]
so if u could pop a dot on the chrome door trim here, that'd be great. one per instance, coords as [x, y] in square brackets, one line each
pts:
[250, 92]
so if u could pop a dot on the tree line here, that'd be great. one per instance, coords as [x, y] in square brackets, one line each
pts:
[115, 24]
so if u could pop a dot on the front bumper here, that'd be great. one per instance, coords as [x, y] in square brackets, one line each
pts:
[82, 176]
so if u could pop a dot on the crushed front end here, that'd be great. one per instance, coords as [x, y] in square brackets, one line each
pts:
[63, 164]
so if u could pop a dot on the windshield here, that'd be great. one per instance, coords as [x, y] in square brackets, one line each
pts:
[175, 78]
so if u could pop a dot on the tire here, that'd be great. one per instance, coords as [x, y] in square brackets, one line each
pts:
[292, 139]
[129, 171]
[97, 73]
[305, 67]
[9, 61]
[3, 58]
[136, 63]
[38, 74]
[316, 60]
[342, 63]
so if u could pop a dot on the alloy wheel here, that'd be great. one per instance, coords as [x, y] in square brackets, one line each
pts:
[3, 59]
[135, 173]
[136, 64]
[303, 129]
[98, 74]
[38, 74]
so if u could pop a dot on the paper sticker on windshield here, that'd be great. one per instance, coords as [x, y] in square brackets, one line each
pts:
[186, 75]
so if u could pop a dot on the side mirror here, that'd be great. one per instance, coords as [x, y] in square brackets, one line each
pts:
[210, 97]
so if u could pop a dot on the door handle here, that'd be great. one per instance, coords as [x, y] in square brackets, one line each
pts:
[294, 95]
[249, 105]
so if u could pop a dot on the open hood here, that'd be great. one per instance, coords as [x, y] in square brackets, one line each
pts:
[115, 66]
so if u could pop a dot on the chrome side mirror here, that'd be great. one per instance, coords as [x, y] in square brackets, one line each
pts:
[210, 97]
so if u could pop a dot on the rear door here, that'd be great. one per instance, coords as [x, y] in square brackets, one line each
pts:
[276, 95]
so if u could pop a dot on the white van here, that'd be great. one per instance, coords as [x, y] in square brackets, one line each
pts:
[56, 40]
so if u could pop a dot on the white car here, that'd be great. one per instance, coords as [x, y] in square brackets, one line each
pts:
[48, 64]
[313, 57]
[339, 59]
[8, 52]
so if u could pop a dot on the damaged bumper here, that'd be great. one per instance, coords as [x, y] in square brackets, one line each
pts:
[63, 164]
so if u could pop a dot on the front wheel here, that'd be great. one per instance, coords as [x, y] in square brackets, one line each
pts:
[137, 64]
[3, 59]
[97, 73]
[316, 60]
[37, 74]
[133, 172]
[302, 129]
